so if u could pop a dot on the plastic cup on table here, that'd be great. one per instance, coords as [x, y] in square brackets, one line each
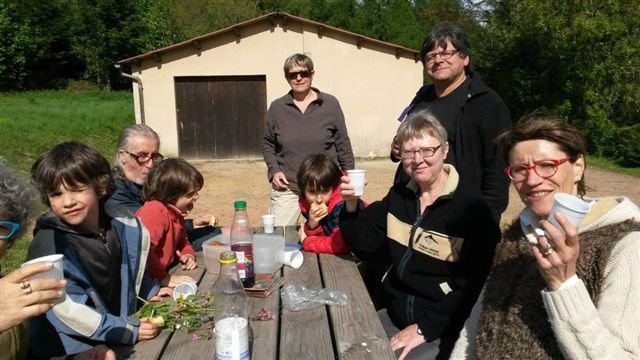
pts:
[293, 258]
[357, 179]
[571, 206]
[268, 222]
[57, 272]
[184, 289]
[267, 253]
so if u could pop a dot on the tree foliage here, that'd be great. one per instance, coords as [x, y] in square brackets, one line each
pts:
[577, 58]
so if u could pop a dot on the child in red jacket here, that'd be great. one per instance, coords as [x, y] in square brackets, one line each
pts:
[320, 203]
[170, 191]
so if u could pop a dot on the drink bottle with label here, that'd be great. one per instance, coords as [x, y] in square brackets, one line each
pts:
[242, 243]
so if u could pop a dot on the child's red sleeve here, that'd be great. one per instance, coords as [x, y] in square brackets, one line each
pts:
[154, 220]
[320, 243]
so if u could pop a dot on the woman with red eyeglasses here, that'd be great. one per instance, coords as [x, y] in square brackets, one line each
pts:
[303, 122]
[575, 292]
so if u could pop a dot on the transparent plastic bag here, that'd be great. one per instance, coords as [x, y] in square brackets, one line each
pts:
[297, 297]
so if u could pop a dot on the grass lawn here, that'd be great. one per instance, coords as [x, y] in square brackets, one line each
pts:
[32, 122]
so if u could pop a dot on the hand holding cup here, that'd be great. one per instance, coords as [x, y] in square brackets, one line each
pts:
[24, 296]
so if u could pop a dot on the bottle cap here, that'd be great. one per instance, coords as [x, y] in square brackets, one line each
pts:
[228, 257]
[240, 204]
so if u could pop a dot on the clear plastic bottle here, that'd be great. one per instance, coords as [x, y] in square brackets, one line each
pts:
[242, 243]
[230, 303]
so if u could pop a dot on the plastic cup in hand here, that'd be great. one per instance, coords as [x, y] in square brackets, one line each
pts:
[184, 289]
[293, 258]
[55, 273]
[570, 206]
[268, 222]
[357, 179]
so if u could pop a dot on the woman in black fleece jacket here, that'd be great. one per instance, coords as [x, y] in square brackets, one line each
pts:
[439, 236]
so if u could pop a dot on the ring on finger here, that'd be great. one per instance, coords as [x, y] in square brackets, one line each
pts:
[547, 250]
[26, 287]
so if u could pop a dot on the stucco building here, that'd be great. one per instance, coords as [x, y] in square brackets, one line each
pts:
[207, 97]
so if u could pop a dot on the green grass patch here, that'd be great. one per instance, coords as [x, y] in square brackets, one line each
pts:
[606, 164]
[33, 122]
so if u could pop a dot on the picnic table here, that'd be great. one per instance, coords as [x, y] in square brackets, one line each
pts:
[327, 332]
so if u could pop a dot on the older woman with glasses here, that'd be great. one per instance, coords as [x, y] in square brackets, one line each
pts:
[575, 292]
[303, 122]
[439, 236]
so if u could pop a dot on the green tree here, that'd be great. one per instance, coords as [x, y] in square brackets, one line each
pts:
[577, 58]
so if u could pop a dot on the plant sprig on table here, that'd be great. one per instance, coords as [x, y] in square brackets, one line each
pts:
[192, 312]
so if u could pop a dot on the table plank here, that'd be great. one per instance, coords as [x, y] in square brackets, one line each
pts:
[357, 328]
[305, 334]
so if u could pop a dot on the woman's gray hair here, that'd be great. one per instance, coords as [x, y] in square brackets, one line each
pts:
[18, 200]
[297, 59]
[418, 124]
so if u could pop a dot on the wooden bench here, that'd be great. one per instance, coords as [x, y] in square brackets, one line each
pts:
[327, 332]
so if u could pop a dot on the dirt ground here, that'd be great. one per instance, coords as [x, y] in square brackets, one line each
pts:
[227, 181]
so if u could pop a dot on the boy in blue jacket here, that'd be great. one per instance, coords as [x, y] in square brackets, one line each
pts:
[103, 262]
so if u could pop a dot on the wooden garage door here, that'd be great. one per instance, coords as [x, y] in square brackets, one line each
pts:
[220, 117]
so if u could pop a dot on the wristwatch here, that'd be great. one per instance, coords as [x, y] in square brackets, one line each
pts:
[419, 331]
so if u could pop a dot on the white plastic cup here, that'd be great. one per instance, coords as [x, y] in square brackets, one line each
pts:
[184, 289]
[55, 273]
[357, 179]
[268, 222]
[293, 258]
[571, 206]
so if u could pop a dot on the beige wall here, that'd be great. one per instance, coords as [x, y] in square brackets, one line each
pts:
[372, 85]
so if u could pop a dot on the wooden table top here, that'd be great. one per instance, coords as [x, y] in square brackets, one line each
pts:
[327, 332]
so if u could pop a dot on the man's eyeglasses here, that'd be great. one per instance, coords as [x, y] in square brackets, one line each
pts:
[444, 55]
[7, 229]
[294, 74]
[425, 152]
[143, 158]
[545, 169]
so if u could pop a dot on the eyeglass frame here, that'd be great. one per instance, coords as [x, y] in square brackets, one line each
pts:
[419, 151]
[14, 229]
[556, 166]
[158, 157]
[444, 55]
[292, 75]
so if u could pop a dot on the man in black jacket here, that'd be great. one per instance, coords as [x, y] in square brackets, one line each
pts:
[471, 112]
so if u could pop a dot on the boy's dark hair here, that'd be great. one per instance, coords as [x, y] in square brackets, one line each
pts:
[72, 164]
[171, 179]
[318, 172]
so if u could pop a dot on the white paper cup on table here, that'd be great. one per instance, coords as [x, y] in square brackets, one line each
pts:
[184, 289]
[571, 206]
[357, 179]
[268, 222]
[57, 272]
[293, 258]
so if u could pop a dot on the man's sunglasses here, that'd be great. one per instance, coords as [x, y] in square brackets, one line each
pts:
[303, 74]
